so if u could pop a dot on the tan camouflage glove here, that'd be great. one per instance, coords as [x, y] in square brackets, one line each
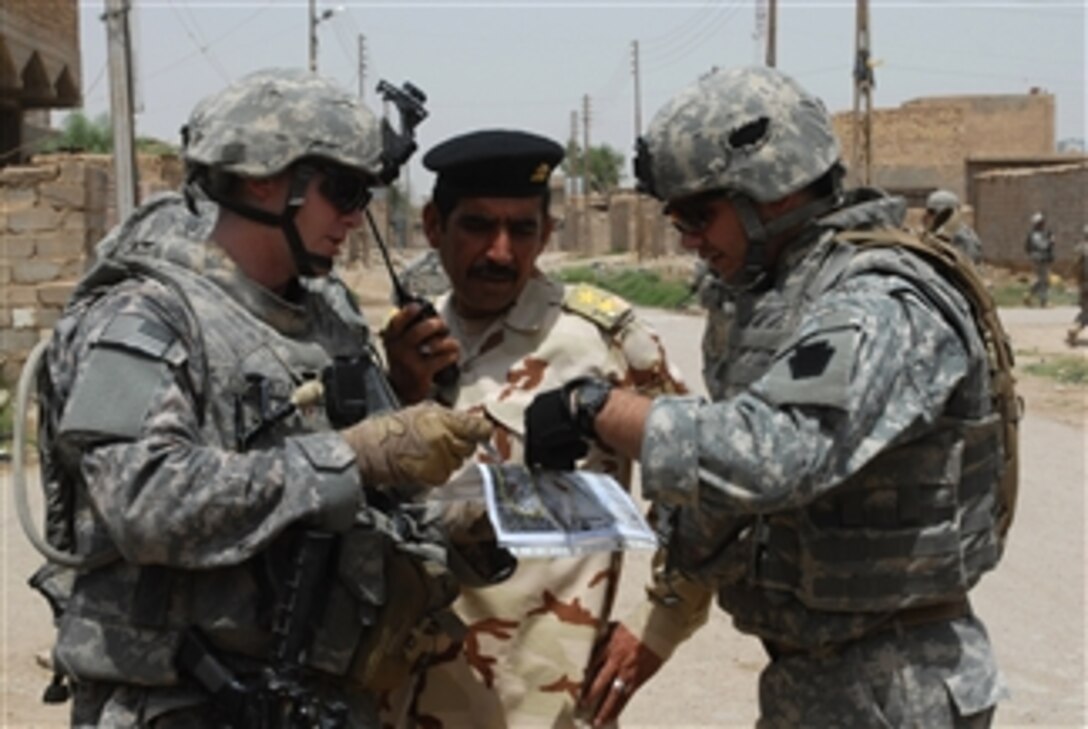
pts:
[421, 444]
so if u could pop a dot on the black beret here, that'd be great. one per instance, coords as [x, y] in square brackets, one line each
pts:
[494, 162]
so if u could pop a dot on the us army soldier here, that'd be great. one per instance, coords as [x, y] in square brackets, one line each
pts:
[215, 461]
[846, 491]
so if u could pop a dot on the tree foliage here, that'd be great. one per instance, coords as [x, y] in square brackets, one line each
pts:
[80, 133]
[605, 166]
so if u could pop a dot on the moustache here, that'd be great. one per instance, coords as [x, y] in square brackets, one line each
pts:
[491, 272]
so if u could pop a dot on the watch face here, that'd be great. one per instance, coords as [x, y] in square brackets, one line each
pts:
[590, 398]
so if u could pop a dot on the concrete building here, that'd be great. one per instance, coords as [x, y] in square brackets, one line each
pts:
[926, 143]
[39, 70]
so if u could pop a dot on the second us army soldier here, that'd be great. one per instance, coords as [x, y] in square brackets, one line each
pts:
[850, 485]
[527, 656]
[212, 457]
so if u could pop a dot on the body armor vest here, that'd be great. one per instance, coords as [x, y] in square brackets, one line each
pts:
[916, 526]
[124, 621]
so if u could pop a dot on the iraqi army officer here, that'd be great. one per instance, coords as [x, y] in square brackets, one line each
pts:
[197, 423]
[843, 494]
[529, 651]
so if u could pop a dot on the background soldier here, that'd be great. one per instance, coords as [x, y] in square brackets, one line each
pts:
[196, 429]
[841, 495]
[530, 639]
[1039, 245]
[1080, 272]
[944, 218]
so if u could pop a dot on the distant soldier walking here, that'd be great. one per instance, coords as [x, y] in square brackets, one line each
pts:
[944, 218]
[1080, 270]
[1039, 246]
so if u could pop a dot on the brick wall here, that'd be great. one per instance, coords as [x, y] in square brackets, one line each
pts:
[52, 213]
[925, 143]
[1007, 199]
[50, 217]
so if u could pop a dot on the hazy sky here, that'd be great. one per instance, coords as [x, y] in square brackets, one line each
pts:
[529, 64]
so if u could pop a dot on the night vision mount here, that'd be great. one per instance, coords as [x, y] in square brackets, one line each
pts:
[399, 144]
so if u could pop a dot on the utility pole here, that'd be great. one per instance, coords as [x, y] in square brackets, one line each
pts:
[863, 97]
[772, 33]
[314, 20]
[119, 52]
[585, 147]
[640, 243]
[362, 66]
[313, 36]
[573, 176]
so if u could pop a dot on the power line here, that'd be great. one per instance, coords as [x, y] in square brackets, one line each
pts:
[708, 31]
[263, 39]
[216, 66]
[714, 20]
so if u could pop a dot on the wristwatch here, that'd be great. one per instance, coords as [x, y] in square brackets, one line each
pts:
[586, 397]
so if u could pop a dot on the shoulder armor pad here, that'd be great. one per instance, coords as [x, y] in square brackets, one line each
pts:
[604, 309]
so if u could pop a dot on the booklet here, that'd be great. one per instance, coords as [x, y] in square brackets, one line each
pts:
[560, 513]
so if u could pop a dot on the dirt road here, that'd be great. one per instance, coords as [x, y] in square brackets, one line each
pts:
[1034, 604]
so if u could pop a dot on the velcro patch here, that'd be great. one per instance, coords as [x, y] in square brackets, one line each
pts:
[815, 371]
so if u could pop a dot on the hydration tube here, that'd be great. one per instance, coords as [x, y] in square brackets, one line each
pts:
[18, 475]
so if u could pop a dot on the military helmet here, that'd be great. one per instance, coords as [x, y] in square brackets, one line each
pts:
[261, 124]
[941, 200]
[1036, 218]
[752, 130]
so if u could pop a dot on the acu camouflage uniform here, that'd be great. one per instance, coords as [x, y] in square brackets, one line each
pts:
[1080, 272]
[840, 494]
[167, 424]
[530, 637]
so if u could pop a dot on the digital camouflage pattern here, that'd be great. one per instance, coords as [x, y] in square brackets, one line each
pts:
[1080, 272]
[945, 206]
[1039, 245]
[161, 366]
[259, 125]
[848, 390]
[752, 130]
[530, 637]
[160, 218]
[717, 298]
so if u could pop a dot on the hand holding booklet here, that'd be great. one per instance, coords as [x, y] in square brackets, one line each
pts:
[553, 513]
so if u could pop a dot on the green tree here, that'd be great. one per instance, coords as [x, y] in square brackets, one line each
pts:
[79, 133]
[605, 165]
[82, 134]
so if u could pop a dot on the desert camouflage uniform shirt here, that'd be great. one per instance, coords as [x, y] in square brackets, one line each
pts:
[165, 387]
[530, 637]
[866, 365]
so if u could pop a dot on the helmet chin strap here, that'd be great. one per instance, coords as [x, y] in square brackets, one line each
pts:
[307, 264]
[757, 267]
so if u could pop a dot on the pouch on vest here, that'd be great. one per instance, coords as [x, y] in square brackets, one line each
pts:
[958, 270]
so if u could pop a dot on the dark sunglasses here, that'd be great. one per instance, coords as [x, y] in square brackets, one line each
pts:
[346, 190]
[693, 215]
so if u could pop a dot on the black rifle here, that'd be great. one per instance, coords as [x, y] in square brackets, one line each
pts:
[277, 698]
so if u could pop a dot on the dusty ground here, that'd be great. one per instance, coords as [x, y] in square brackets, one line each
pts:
[1034, 604]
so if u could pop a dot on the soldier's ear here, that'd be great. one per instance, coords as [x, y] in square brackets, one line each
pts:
[432, 224]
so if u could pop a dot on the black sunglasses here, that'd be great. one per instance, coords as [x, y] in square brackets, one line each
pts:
[347, 190]
[693, 215]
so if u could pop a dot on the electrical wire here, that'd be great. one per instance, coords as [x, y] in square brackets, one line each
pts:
[200, 46]
[708, 31]
[219, 38]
